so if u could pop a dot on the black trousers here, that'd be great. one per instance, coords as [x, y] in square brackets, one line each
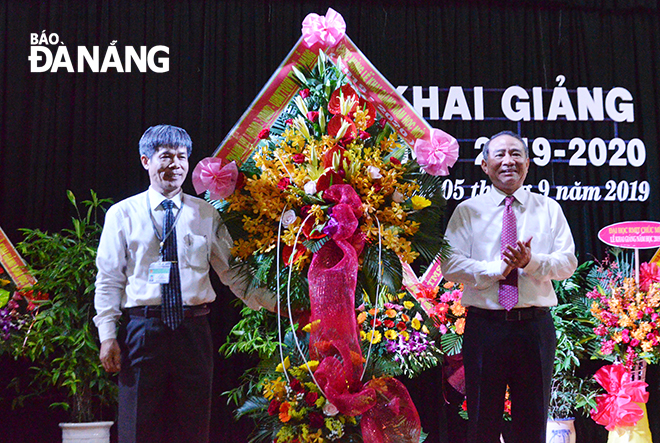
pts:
[165, 381]
[520, 354]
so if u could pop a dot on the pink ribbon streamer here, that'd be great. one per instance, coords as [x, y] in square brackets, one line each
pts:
[327, 30]
[619, 407]
[389, 414]
[437, 155]
[216, 176]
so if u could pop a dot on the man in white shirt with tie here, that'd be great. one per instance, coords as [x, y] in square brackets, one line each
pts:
[153, 261]
[507, 246]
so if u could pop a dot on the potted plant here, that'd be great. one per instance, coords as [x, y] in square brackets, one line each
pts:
[60, 342]
[570, 393]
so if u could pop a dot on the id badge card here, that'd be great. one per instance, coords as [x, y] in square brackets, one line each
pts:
[159, 272]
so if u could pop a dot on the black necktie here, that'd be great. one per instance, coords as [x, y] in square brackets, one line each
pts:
[172, 312]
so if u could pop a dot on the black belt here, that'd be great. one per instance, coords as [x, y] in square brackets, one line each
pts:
[512, 315]
[155, 311]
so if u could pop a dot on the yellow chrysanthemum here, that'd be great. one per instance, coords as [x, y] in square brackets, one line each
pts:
[419, 202]
[282, 368]
[374, 337]
[391, 334]
[313, 364]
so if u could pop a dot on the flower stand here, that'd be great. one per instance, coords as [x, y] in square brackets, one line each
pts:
[640, 433]
[94, 432]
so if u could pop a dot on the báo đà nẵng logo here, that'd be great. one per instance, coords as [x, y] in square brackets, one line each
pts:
[48, 54]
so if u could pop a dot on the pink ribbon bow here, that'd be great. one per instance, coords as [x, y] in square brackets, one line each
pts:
[327, 30]
[216, 176]
[619, 407]
[437, 155]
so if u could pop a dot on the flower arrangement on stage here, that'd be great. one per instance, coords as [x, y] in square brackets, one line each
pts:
[622, 405]
[442, 304]
[448, 314]
[302, 412]
[17, 311]
[627, 315]
[329, 204]
[397, 337]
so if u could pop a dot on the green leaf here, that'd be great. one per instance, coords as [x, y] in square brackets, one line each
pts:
[71, 197]
[4, 297]
[451, 343]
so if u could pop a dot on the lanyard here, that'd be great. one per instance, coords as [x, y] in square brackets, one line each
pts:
[165, 234]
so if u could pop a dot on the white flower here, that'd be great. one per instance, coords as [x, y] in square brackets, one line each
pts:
[374, 172]
[397, 197]
[329, 409]
[288, 217]
[310, 188]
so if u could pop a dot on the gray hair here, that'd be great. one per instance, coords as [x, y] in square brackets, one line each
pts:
[164, 135]
[512, 134]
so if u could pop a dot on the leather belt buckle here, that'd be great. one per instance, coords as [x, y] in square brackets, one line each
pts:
[517, 315]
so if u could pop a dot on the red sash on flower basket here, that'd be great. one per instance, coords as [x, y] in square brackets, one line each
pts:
[389, 413]
[622, 410]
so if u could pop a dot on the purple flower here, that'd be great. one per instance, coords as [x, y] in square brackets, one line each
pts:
[330, 228]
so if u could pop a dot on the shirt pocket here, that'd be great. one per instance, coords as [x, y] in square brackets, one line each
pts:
[196, 251]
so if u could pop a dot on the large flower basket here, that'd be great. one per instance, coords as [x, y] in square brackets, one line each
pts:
[332, 197]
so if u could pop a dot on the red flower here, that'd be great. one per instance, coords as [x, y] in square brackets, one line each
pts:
[240, 180]
[388, 324]
[296, 385]
[304, 93]
[334, 125]
[316, 420]
[311, 398]
[326, 160]
[288, 121]
[274, 407]
[327, 179]
[364, 135]
[313, 116]
[264, 133]
[370, 110]
[395, 161]
[346, 91]
[401, 326]
[284, 183]
[286, 253]
[649, 273]
[298, 158]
